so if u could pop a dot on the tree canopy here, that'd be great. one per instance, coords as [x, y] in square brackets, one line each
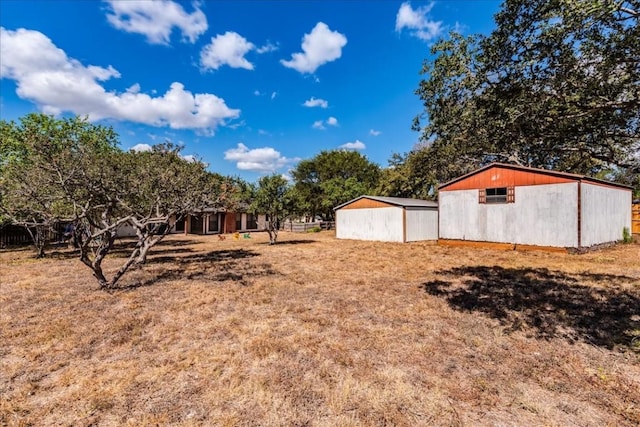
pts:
[331, 178]
[72, 170]
[556, 85]
[272, 197]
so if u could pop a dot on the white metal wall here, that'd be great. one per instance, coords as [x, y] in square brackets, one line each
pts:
[383, 224]
[605, 212]
[543, 215]
[422, 224]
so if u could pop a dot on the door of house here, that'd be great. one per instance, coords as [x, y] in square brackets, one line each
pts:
[197, 224]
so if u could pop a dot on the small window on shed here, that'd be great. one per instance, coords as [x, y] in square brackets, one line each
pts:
[497, 195]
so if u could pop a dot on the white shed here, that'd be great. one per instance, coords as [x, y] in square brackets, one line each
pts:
[388, 219]
[532, 207]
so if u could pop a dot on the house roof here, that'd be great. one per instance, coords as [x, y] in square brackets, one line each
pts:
[565, 175]
[396, 201]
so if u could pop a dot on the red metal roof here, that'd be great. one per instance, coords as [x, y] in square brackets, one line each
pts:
[506, 175]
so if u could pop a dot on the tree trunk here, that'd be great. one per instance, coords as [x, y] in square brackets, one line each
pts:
[38, 239]
[102, 280]
[273, 233]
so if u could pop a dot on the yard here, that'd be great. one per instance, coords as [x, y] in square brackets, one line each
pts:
[323, 332]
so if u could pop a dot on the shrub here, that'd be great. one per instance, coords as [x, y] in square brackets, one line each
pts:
[626, 235]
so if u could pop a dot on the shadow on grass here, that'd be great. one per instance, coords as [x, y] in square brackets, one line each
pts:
[289, 242]
[212, 256]
[214, 266]
[550, 304]
[122, 248]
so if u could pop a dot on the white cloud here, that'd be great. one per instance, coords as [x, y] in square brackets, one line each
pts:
[273, 95]
[356, 145]
[156, 19]
[257, 92]
[141, 147]
[236, 125]
[269, 47]
[319, 124]
[190, 158]
[460, 28]
[320, 46]
[265, 159]
[316, 102]
[418, 22]
[45, 75]
[226, 49]
[135, 88]
[374, 132]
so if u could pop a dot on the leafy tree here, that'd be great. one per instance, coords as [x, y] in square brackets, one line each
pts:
[331, 178]
[272, 198]
[556, 86]
[149, 191]
[239, 193]
[73, 170]
[38, 161]
[407, 177]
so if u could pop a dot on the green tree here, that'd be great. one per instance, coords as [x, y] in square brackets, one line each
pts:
[272, 198]
[70, 169]
[331, 178]
[39, 164]
[406, 176]
[556, 86]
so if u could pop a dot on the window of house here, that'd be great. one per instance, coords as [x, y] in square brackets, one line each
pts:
[238, 221]
[180, 225]
[213, 223]
[497, 195]
[252, 223]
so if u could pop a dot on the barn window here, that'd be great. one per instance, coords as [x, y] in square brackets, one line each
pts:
[497, 195]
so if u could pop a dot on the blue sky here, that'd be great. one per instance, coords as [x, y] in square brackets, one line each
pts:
[249, 87]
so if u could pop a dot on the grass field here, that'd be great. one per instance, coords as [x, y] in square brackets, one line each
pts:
[321, 332]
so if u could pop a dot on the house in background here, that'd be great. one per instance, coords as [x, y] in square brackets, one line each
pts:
[388, 219]
[209, 221]
[219, 221]
[532, 207]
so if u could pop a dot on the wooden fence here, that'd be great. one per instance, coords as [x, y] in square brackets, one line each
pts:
[635, 218]
[303, 227]
[13, 235]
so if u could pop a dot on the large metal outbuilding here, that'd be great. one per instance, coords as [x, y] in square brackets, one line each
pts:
[526, 206]
[388, 219]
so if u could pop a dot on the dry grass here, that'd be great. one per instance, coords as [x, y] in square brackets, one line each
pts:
[317, 331]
